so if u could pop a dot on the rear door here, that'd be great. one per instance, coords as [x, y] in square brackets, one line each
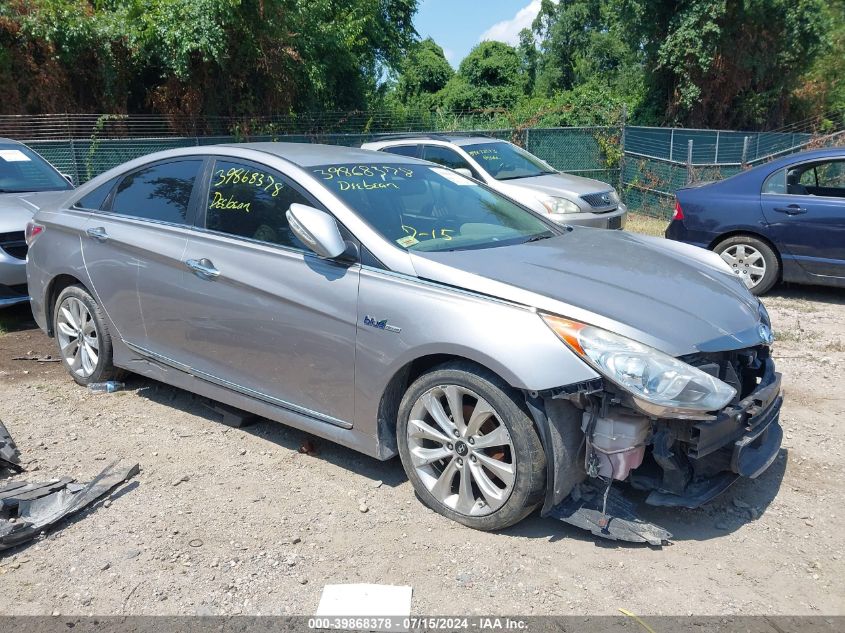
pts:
[805, 208]
[262, 314]
[133, 246]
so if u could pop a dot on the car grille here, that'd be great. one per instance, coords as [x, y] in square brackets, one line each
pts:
[14, 244]
[601, 199]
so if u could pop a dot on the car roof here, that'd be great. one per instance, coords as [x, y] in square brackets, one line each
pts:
[313, 154]
[9, 141]
[799, 157]
[411, 139]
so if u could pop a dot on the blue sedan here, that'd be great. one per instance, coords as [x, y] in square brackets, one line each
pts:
[782, 221]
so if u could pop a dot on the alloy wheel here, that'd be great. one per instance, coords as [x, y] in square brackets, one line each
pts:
[747, 263]
[461, 450]
[79, 341]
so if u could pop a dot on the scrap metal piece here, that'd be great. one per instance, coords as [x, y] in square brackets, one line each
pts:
[619, 522]
[10, 456]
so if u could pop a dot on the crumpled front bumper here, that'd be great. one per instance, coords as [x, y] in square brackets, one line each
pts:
[742, 441]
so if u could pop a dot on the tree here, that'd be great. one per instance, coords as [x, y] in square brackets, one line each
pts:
[423, 73]
[489, 77]
[724, 64]
[199, 56]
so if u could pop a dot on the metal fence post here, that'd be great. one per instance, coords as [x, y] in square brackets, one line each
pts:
[716, 157]
[689, 161]
[744, 160]
[622, 126]
[671, 142]
[77, 177]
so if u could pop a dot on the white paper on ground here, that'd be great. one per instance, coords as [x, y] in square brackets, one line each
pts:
[13, 156]
[365, 600]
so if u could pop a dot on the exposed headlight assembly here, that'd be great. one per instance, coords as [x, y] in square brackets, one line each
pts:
[660, 384]
[559, 206]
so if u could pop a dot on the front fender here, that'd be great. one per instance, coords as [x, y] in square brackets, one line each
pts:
[509, 339]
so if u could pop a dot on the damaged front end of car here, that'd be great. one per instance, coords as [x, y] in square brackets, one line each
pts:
[682, 429]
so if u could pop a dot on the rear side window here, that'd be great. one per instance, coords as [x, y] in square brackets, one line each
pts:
[248, 200]
[96, 199]
[776, 183]
[403, 150]
[160, 192]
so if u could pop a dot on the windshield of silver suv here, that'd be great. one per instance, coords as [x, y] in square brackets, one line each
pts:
[430, 208]
[22, 170]
[504, 161]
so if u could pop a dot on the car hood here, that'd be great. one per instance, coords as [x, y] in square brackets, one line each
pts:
[675, 297]
[16, 209]
[557, 185]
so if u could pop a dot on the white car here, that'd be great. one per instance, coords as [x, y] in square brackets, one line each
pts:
[509, 169]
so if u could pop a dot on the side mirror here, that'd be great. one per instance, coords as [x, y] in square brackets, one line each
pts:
[463, 171]
[317, 230]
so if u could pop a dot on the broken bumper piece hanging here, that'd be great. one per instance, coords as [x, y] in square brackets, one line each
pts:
[679, 462]
[27, 509]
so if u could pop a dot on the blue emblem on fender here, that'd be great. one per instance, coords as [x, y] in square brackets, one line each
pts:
[380, 325]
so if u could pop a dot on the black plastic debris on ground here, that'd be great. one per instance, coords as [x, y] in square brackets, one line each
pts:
[27, 509]
[10, 456]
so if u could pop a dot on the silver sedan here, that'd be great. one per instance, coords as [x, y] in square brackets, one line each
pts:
[397, 307]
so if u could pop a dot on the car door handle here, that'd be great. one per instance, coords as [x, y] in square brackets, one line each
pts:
[792, 209]
[98, 233]
[202, 268]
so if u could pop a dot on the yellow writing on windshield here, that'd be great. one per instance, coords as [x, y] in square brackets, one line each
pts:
[445, 234]
[345, 185]
[363, 171]
[228, 203]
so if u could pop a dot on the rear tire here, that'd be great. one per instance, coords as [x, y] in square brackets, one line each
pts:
[486, 470]
[83, 337]
[752, 260]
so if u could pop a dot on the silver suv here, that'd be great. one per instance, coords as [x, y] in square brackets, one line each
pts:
[397, 307]
[509, 169]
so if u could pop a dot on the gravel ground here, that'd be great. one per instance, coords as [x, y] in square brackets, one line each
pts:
[228, 521]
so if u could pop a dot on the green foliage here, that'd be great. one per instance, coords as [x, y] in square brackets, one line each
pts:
[422, 74]
[489, 77]
[201, 56]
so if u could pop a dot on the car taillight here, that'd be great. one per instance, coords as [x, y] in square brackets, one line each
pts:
[679, 212]
[33, 230]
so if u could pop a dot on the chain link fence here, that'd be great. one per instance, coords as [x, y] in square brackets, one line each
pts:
[646, 164]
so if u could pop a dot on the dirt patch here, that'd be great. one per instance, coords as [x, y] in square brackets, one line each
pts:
[239, 521]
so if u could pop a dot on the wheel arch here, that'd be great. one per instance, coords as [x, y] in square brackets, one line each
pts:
[399, 382]
[54, 288]
[756, 235]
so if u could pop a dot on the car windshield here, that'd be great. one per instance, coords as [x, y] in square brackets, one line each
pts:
[428, 208]
[23, 170]
[505, 161]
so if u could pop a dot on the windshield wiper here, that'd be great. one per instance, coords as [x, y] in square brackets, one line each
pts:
[537, 238]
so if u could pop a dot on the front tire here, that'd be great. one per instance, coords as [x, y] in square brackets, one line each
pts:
[82, 336]
[752, 260]
[485, 466]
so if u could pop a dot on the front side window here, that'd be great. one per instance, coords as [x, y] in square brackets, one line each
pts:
[251, 201]
[445, 156]
[505, 161]
[825, 179]
[22, 170]
[161, 192]
[429, 208]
